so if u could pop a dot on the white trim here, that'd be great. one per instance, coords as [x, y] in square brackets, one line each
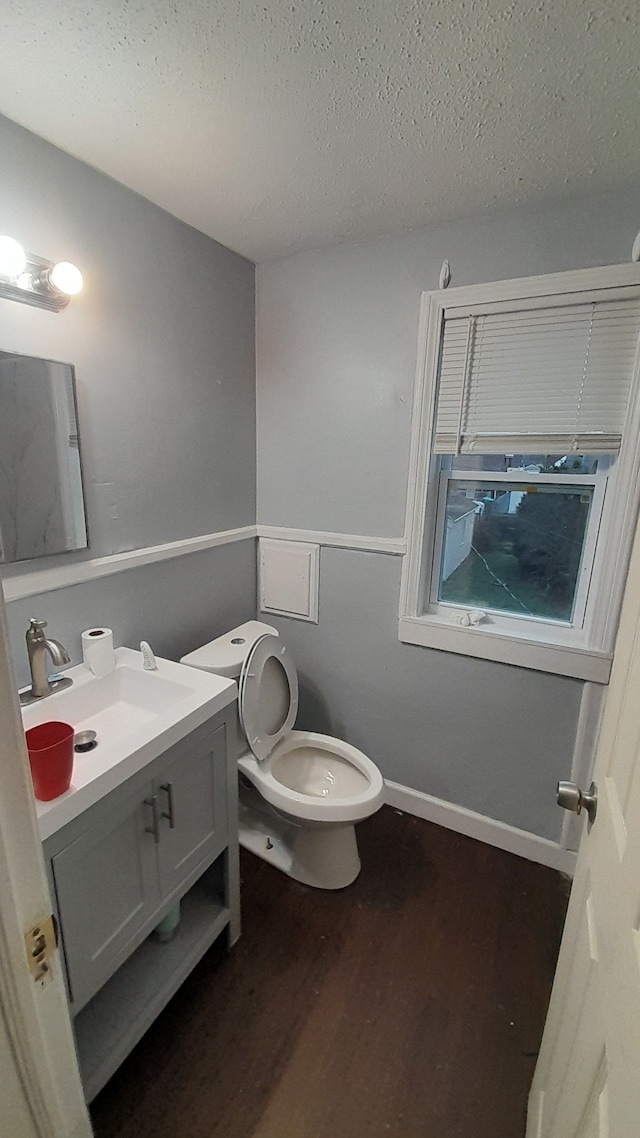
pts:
[45, 580]
[63, 576]
[420, 513]
[584, 753]
[614, 548]
[576, 280]
[524, 477]
[37, 1016]
[506, 648]
[394, 545]
[478, 826]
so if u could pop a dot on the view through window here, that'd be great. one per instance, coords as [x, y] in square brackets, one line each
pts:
[515, 543]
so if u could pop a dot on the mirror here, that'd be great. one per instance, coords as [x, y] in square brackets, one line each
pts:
[41, 501]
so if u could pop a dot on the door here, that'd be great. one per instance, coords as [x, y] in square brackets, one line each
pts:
[40, 1090]
[191, 792]
[587, 1081]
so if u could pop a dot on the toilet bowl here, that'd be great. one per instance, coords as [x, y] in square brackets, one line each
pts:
[306, 790]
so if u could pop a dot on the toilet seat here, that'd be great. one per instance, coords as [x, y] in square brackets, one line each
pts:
[267, 696]
[348, 807]
[268, 705]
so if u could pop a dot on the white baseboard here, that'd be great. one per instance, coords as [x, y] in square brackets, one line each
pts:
[478, 826]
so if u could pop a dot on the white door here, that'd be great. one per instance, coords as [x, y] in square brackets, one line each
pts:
[40, 1091]
[587, 1081]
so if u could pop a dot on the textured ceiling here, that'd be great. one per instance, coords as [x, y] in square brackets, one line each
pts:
[286, 124]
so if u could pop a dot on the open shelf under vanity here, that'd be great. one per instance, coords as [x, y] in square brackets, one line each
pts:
[111, 1024]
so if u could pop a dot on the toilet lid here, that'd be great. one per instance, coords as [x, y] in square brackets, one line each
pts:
[267, 695]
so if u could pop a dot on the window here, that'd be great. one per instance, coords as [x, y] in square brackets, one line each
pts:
[517, 536]
[524, 470]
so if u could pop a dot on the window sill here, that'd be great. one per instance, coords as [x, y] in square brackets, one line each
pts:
[507, 648]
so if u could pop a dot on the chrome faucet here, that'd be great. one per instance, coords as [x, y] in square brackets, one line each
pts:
[37, 648]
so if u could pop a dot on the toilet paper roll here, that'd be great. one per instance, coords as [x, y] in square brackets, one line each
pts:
[97, 651]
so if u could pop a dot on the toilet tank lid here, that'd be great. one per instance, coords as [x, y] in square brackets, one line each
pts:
[226, 654]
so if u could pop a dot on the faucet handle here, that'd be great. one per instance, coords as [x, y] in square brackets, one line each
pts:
[34, 631]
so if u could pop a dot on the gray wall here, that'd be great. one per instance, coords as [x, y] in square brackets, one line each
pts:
[162, 339]
[176, 605]
[336, 352]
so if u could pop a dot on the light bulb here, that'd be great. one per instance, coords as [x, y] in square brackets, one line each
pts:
[66, 278]
[12, 257]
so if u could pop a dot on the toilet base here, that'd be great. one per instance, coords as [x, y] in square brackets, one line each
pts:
[324, 856]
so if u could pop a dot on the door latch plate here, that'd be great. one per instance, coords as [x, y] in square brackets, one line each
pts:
[40, 943]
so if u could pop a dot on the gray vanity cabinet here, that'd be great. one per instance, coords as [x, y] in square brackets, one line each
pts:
[168, 833]
[190, 808]
[138, 849]
[107, 889]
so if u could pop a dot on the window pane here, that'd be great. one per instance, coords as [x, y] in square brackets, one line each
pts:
[514, 549]
[540, 463]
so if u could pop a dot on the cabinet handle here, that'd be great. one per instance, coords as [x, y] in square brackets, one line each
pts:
[154, 828]
[168, 789]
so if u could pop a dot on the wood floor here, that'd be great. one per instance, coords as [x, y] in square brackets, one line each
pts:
[410, 1004]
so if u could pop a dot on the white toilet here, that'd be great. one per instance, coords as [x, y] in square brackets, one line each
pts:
[302, 792]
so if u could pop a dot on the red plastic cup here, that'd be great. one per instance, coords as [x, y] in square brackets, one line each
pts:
[50, 747]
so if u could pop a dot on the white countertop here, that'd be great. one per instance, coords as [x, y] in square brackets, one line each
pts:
[137, 715]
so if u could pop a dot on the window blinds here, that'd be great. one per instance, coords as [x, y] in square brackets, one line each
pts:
[539, 381]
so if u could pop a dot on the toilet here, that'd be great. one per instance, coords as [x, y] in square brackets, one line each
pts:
[301, 793]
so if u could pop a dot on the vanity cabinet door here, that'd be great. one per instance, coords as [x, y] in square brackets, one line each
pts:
[191, 792]
[107, 887]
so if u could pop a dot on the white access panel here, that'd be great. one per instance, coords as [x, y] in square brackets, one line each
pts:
[288, 574]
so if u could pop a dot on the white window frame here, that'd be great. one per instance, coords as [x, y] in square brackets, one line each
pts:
[584, 648]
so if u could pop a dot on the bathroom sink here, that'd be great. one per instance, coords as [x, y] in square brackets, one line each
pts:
[136, 715]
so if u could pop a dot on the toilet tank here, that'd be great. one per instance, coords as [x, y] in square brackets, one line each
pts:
[226, 654]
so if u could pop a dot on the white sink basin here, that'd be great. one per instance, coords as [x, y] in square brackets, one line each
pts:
[136, 715]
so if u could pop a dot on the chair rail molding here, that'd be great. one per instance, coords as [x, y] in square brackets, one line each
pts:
[396, 546]
[62, 576]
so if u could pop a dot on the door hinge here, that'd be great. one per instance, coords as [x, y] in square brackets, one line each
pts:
[41, 942]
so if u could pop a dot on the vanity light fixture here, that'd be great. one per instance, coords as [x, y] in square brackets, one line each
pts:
[30, 279]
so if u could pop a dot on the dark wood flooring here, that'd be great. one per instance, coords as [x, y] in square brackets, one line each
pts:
[410, 1004]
